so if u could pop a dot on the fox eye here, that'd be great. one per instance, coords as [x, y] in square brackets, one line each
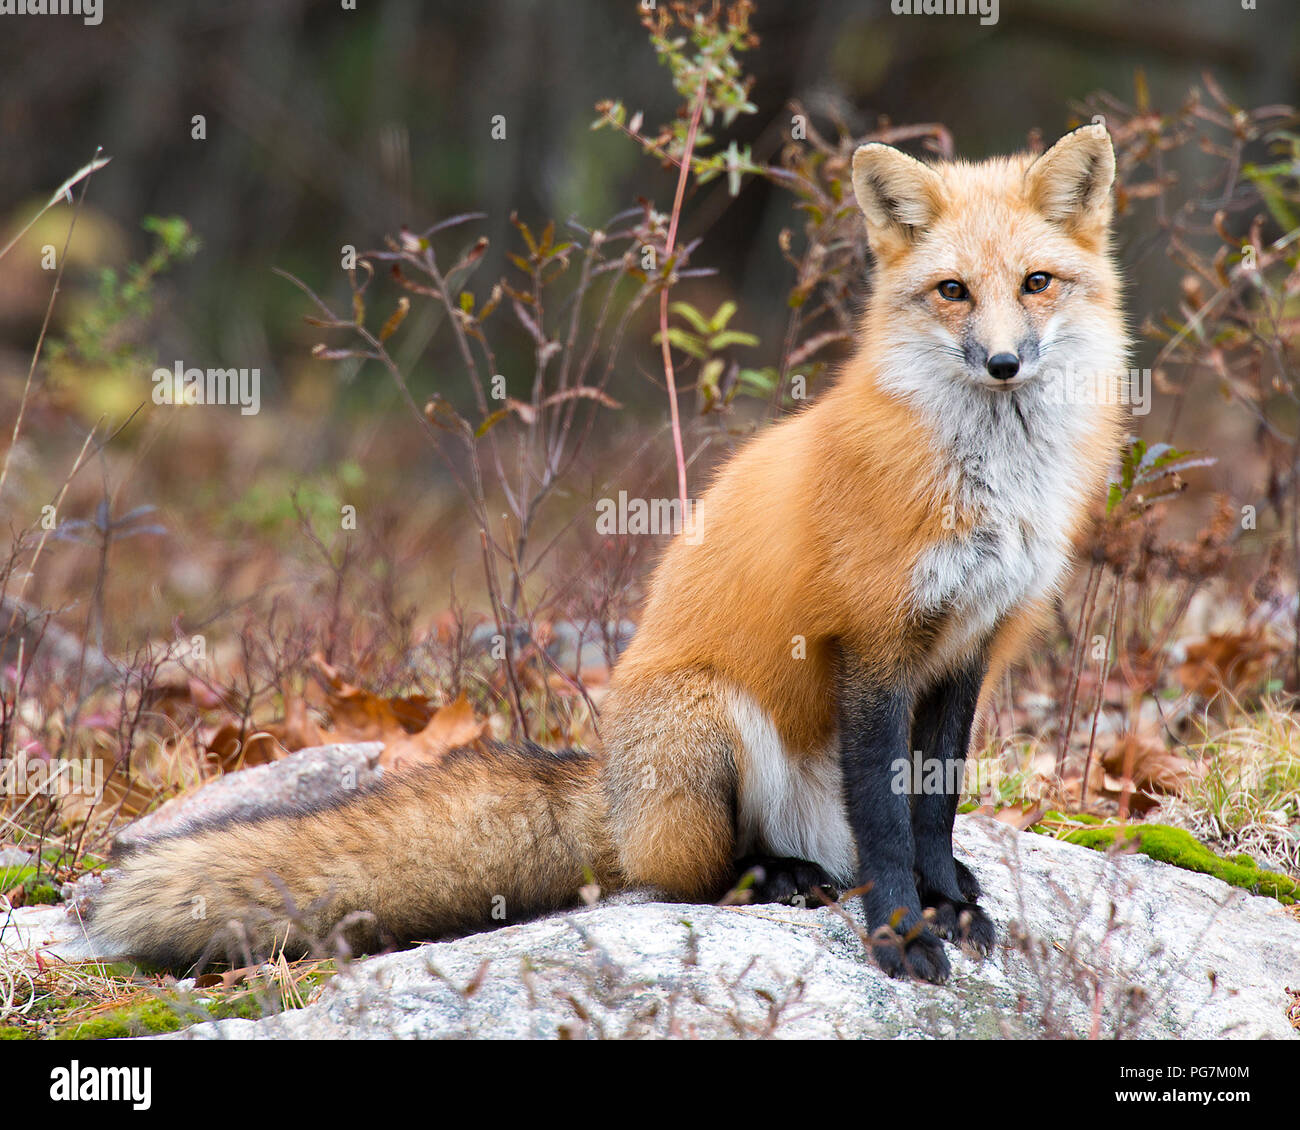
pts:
[952, 290]
[1036, 282]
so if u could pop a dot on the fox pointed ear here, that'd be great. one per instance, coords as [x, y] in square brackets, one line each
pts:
[1070, 183]
[897, 194]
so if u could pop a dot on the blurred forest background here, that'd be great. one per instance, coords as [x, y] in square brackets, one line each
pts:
[196, 604]
[328, 126]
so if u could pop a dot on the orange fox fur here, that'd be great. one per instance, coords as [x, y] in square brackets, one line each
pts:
[882, 520]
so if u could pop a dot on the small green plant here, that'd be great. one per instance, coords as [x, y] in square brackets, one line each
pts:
[104, 334]
[706, 338]
[709, 78]
[1148, 475]
[700, 45]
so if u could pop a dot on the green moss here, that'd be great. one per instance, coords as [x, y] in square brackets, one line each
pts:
[165, 1010]
[124, 970]
[37, 889]
[11, 877]
[243, 1007]
[169, 1013]
[1182, 849]
[143, 1019]
[42, 892]
[9, 1032]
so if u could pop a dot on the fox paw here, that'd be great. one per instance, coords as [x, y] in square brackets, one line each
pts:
[918, 954]
[962, 923]
[786, 880]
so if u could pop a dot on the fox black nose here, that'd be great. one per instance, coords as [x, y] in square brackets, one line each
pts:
[1003, 366]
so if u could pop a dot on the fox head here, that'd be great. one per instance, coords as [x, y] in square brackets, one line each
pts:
[993, 278]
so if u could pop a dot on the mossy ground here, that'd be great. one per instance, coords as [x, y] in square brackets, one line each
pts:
[144, 1018]
[38, 883]
[166, 1013]
[114, 1003]
[1180, 848]
[26, 886]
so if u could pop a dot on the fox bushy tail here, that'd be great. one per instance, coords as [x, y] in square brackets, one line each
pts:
[491, 834]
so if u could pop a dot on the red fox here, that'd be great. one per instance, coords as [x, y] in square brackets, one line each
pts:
[860, 571]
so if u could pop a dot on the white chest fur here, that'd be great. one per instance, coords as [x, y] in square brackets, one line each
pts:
[1011, 478]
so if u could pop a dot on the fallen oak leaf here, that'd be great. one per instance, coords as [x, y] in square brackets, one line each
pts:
[451, 727]
[1129, 798]
[258, 746]
[1227, 662]
[1020, 818]
[1152, 767]
[359, 715]
[230, 979]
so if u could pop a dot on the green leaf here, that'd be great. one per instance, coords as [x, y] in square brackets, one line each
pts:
[692, 315]
[722, 316]
[762, 379]
[687, 343]
[731, 337]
